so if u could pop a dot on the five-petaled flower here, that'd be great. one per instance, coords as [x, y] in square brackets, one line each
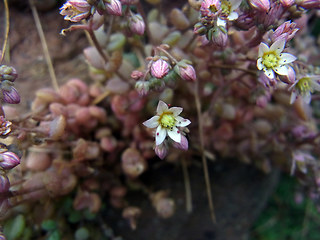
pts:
[304, 87]
[167, 121]
[273, 60]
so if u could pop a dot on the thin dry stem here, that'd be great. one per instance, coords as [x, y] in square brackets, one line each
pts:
[187, 185]
[7, 22]
[44, 45]
[203, 157]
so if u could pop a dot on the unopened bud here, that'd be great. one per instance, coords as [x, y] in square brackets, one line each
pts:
[136, 75]
[161, 151]
[186, 71]
[9, 160]
[9, 93]
[261, 5]
[4, 183]
[183, 145]
[8, 73]
[114, 7]
[142, 87]
[287, 3]
[137, 24]
[219, 36]
[199, 29]
[308, 4]
[160, 68]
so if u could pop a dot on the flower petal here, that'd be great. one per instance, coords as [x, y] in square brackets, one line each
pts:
[278, 45]
[263, 48]
[315, 85]
[162, 107]
[293, 97]
[182, 122]
[269, 73]
[176, 110]
[259, 63]
[306, 97]
[233, 16]
[161, 134]
[286, 58]
[152, 122]
[235, 4]
[175, 134]
[281, 70]
[221, 23]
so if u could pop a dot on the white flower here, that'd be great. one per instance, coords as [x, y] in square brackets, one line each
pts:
[228, 8]
[304, 87]
[167, 121]
[273, 60]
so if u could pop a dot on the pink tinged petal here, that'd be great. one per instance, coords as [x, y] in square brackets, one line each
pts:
[162, 107]
[182, 122]
[175, 134]
[269, 73]
[259, 63]
[161, 134]
[293, 97]
[175, 110]
[183, 145]
[278, 46]
[233, 16]
[286, 58]
[263, 48]
[281, 70]
[161, 151]
[152, 122]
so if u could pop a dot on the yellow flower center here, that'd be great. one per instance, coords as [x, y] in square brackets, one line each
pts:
[270, 60]
[225, 7]
[167, 120]
[304, 85]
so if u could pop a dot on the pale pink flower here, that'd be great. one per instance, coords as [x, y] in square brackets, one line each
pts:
[272, 59]
[166, 122]
[75, 10]
[304, 87]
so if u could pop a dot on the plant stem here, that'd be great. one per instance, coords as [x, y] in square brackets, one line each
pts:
[97, 45]
[204, 160]
[7, 29]
[44, 45]
[187, 185]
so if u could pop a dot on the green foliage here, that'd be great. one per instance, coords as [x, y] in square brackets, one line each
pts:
[14, 228]
[285, 219]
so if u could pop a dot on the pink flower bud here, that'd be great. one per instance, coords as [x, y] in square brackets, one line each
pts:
[9, 160]
[136, 75]
[218, 36]
[287, 3]
[161, 151]
[137, 24]
[187, 72]
[114, 7]
[160, 68]
[261, 5]
[183, 145]
[308, 4]
[4, 184]
[10, 95]
[286, 30]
